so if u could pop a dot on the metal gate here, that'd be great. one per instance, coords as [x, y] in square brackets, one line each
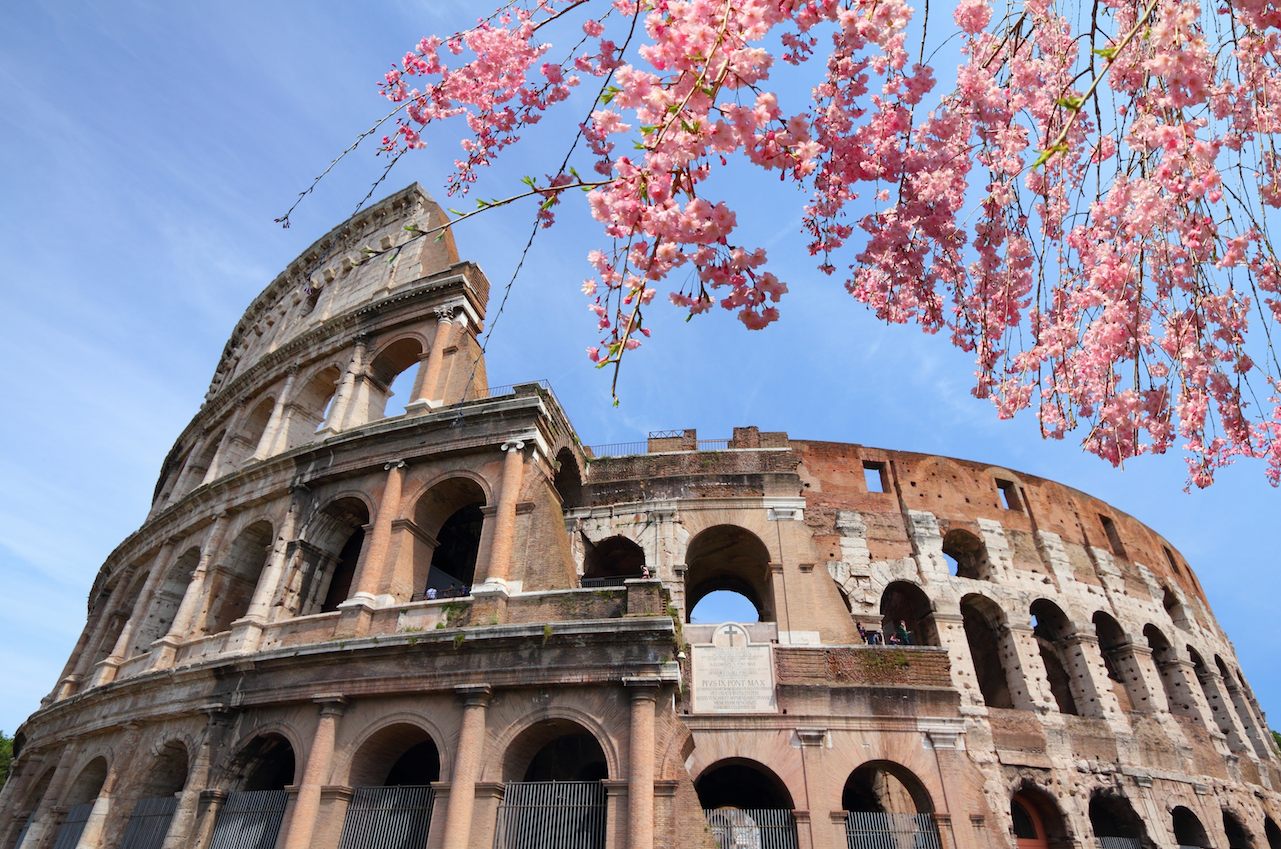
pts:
[866, 830]
[388, 818]
[551, 815]
[1119, 842]
[149, 823]
[73, 826]
[26, 826]
[250, 820]
[752, 828]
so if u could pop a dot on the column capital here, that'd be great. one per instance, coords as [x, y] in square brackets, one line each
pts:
[513, 445]
[445, 314]
[394, 464]
[475, 694]
[331, 704]
[643, 687]
[812, 737]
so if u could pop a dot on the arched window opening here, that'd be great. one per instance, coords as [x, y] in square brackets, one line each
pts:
[1172, 680]
[325, 558]
[392, 775]
[1219, 710]
[115, 625]
[1037, 820]
[1115, 823]
[1235, 831]
[253, 812]
[886, 804]
[165, 602]
[242, 447]
[1174, 607]
[170, 473]
[746, 805]
[1188, 831]
[1271, 832]
[393, 372]
[611, 561]
[984, 624]
[554, 772]
[1051, 628]
[449, 522]
[79, 799]
[236, 577]
[966, 555]
[157, 799]
[569, 480]
[311, 405]
[724, 606]
[1240, 706]
[1118, 657]
[907, 616]
[727, 557]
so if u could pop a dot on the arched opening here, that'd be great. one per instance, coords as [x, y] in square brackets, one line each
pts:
[966, 554]
[1119, 660]
[79, 799]
[253, 811]
[1213, 698]
[165, 602]
[746, 805]
[724, 606]
[612, 561]
[1177, 694]
[34, 798]
[906, 616]
[1037, 820]
[1241, 706]
[326, 557]
[984, 624]
[1174, 607]
[727, 557]
[310, 406]
[1051, 628]
[111, 634]
[200, 469]
[236, 576]
[450, 521]
[392, 775]
[241, 449]
[1115, 823]
[568, 481]
[1188, 831]
[554, 772]
[1235, 831]
[1271, 832]
[157, 799]
[393, 374]
[886, 805]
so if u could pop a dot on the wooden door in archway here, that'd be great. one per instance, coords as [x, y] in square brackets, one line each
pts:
[1029, 830]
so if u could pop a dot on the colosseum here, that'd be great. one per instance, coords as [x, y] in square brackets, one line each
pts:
[458, 627]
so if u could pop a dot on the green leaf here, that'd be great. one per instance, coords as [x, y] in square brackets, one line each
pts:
[1108, 53]
[1073, 103]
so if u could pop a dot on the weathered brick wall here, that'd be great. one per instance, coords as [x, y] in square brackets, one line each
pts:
[862, 667]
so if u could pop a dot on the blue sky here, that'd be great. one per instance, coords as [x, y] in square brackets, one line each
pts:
[146, 148]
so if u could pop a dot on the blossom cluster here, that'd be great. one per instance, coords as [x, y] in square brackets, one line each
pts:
[1084, 207]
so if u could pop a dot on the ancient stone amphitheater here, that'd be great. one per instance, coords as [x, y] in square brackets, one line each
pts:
[459, 627]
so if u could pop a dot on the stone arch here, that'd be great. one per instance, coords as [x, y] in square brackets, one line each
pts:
[200, 462]
[447, 524]
[134, 578]
[37, 792]
[242, 447]
[885, 787]
[166, 775]
[1051, 628]
[327, 555]
[1236, 696]
[555, 749]
[414, 728]
[1174, 607]
[165, 601]
[88, 783]
[1234, 829]
[905, 602]
[236, 576]
[1172, 679]
[392, 360]
[310, 405]
[729, 557]
[267, 760]
[1188, 830]
[1217, 703]
[1118, 657]
[398, 753]
[984, 623]
[1112, 815]
[612, 559]
[568, 480]
[562, 716]
[742, 783]
[966, 555]
[1035, 807]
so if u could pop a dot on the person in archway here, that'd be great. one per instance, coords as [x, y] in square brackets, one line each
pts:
[904, 636]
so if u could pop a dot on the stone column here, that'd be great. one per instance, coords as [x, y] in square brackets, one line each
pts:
[70, 684]
[247, 631]
[1248, 720]
[462, 783]
[91, 836]
[640, 760]
[182, 620]
[1024, 670]
[219, 458]
[319, 762]
[106, 671]
[1142, 679]
[1224, 716]
[370, 579]
[1091, 685]
[505, 517]
[816, 792]
[778, 589]
[45, 822]
[427, 395]
[267, 442]
[184, 816]
[342, 395]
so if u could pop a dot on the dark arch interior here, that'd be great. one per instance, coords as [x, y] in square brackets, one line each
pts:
[568, 482]
[966, 554]
[168, 774]
[616, 557]
[1113, 816]
[1238, 837]
[396, 756]
[727, 557]
[1039, 807]
[1112, 645]
[555, 750]
[980, 633]
[885, 788]
[88, 783]
[419, 765]
[908, 604]
[742, 784]
[1272, 833]
[344, 571]
[1051, 627]
[242, 566]
[1188, 830]
[266, 764]
[458, 543]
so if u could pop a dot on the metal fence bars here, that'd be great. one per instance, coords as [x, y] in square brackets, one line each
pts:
[73, 826]
[1119, 842]
[250, 820]
[752, 828]
[388, 817]
[26, 826]
[551, 815]
[867, 830]
[149, 823]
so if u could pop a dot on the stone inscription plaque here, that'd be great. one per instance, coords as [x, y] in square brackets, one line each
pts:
[733, 675]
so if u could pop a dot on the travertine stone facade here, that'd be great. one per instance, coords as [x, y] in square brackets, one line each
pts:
[276, 657]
